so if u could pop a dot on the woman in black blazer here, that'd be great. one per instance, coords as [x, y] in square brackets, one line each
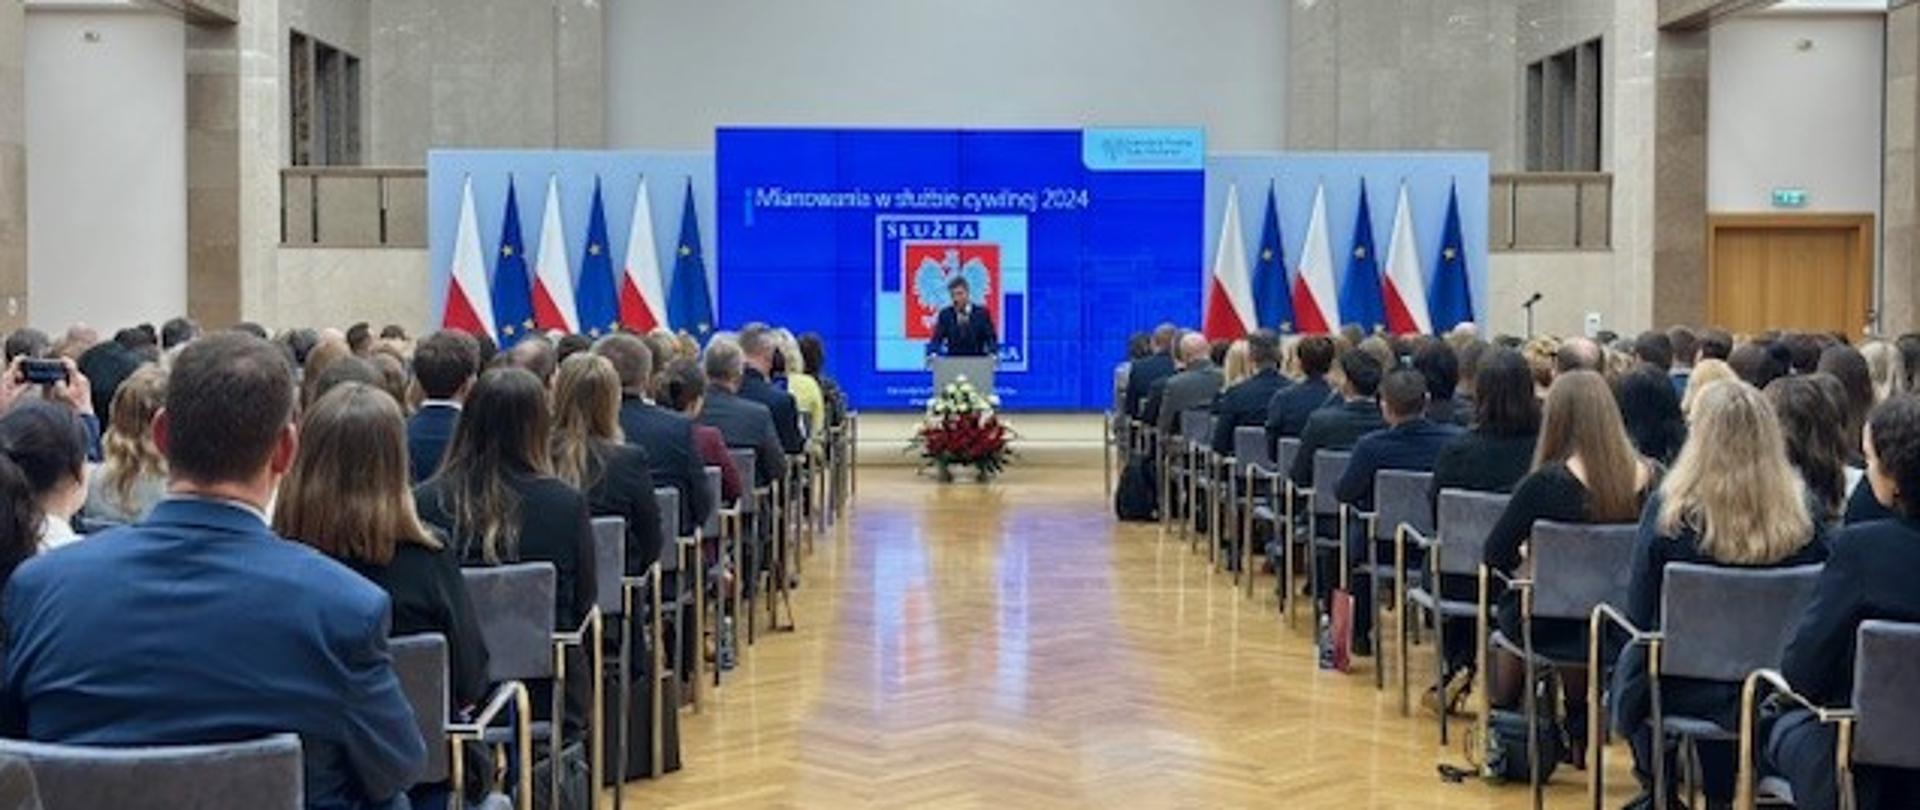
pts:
[347, 496]
[590, 454]
[496, 498]
[1869, 576]
[1732, 499]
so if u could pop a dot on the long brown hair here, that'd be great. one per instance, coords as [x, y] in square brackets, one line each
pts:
[1582, 419]
[586, 417]
[348, 492]
[503, 429]
[128, 444]
[1732, 482]
[1813, 423]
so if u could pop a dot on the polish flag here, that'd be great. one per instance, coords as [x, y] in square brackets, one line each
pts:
[1230, 313]
[1405, 285]
[469, 299]
[1316, 306]
[553, 305]
[643, 299]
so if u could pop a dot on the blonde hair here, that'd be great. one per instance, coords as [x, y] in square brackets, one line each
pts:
[1733, 483]
[128, 445]
[1581, 419]
[1705, 374]
[1540, 353]
[1238, 367]
[586, 414]
[1886, 368]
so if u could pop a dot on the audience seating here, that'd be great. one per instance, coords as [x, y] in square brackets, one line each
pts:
[1576, 568]
[1251, 457]
[1876, 730]
[1400, 505]
[675, 602]
[1455, 548]
[1328, 466]
[513, 605]
[263, 773]
[610, 596]
[711, 620]
[420, 661]
[1717, 623]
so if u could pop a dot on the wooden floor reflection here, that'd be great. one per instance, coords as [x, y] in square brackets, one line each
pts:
[1011, 646]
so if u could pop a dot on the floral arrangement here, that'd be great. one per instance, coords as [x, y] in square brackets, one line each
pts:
[960, 428]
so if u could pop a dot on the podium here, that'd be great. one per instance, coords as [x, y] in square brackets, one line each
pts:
[977, 370]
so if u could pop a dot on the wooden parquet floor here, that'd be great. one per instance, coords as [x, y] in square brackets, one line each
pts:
[1012, 646]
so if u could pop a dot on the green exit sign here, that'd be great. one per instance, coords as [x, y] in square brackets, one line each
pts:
[1789, 198]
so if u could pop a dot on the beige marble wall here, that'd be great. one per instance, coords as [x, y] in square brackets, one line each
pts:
[13, 164]
[213, 173]
[1899, 299]
[1680, 178]
[347, 285]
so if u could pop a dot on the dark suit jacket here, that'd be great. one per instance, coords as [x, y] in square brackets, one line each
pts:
[1869, 575]
[747, 424]
[554, 528]
[972, 337]
[428, 433]
[1244, 405]
[198, 626]
[1194, 388]
[1140, 379]
[1410, 445]
[624, 489]
[1336, 427]
[1290, 407]
[430, 596]
[668, 439]
[786, 414]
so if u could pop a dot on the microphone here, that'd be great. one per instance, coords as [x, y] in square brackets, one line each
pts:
[1535, 299]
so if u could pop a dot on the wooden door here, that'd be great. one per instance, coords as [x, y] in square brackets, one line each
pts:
[1807, 272]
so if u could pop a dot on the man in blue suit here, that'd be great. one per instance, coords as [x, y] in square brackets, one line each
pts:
[201, 625]
[666, 436]
[756, 345]
[444, 363]
[962, 329]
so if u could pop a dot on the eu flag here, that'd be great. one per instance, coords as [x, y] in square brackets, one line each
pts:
[599, 307]
[689, 304]
[512, 287]
[1360, 301]
[1452, 298]
[1270, 298]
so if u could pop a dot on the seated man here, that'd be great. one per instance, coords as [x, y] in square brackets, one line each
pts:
[1289, 408]
[1341, 423]
[1245, 404]
[444, 365]
[742, 422]
[1410, 442]
[201, 625]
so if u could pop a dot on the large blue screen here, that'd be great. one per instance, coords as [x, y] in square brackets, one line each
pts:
[1077, 239]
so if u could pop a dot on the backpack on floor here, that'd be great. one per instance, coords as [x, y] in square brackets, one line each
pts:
[1137, 496]
[1506, 744]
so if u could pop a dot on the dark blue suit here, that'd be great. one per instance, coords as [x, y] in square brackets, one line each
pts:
[786, 415]
[1290, 407]
[1412, 445]
[668, 439]
[1140, 379]
[201, 625]
[1244, 405]
[972, 337]
[428, 433]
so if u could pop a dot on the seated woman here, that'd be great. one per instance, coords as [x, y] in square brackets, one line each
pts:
[134, 477]
[496, 499]
[1585, 470]
[43, 474]
[590, 454]
[683, 387]
[1650, 409]
[1732, 499]
[347, 496]
[1813, 425]
[1869, 575]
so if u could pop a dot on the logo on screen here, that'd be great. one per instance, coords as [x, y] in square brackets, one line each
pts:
[935, 266]
[918, 255]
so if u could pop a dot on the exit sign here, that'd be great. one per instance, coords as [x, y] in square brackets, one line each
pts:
[1789, 198]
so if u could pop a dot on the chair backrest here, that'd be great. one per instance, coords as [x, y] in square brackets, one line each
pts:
[609, 563]
[712, 483]
[1723, 622]
[1465, 518]
[1250, 447]
[513, 605]
[1286, 452]
[668, 499]
[1886, 666]
[744, 459]
[1400, 496]
[1328, 466]
[263, 773]
[1196, 426]
[420, 661]
[1579, 566]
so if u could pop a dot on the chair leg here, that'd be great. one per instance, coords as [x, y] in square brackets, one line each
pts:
[624, 679]
[699, 633]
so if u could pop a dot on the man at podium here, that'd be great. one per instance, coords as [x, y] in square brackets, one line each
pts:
[962, 329]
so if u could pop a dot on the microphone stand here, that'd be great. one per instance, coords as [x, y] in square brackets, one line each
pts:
[1528, 306]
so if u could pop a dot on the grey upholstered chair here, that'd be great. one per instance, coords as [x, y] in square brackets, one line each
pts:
[261, 774]
[1328, 466]
[513, 604]
[420, 661]
[1454, 548]
[1399, 504]
[611, 595]
[1252, 456]
[1196, 431]
[1717, 623]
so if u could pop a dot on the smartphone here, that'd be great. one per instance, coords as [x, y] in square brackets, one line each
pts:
[44, 372]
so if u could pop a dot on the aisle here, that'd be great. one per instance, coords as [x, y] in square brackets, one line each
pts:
[1007, 646]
